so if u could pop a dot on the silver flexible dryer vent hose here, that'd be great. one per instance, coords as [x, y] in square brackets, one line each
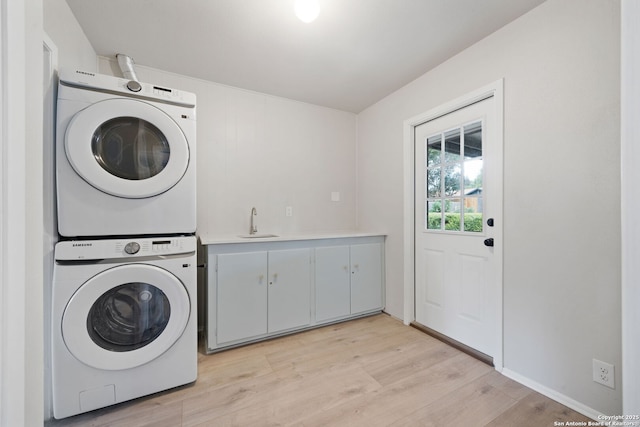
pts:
[126, 66]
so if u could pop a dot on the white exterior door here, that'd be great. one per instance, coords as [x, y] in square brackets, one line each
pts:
[458, 175]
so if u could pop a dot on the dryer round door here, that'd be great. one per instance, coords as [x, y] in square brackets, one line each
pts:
[125, 316]
[127, 148]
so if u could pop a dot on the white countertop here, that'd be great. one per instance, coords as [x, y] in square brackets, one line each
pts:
[227, 239]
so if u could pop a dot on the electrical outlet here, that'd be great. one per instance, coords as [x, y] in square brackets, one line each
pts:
[288, 211]
[604, 373]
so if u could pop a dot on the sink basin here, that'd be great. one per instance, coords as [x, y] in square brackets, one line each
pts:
[257, 236]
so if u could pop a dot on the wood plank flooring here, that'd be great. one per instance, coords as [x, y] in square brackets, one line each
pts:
[368, 372]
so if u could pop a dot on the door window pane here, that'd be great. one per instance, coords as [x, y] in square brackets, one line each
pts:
[452, 215]
[473, 141]
[452, 175]
[473, 214]
[452, 146]
[434, 215]
[434, 150]
[473, 175]
[434, 186]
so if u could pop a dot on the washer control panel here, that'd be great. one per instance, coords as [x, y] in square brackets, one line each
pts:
[71, 250]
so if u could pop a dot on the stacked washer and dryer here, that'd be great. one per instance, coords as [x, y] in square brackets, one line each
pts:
[124, 321]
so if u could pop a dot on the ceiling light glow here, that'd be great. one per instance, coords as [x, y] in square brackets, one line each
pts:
[307, 10]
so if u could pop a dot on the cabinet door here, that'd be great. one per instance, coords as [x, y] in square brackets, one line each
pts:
[242, 296]
[289, 289]
[366, 277]
[333, 294]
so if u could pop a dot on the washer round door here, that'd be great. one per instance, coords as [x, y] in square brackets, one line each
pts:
[127, 148]
[125, 316]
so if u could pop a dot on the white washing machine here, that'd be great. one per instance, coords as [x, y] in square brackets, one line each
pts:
[123, 320]
[125, 157]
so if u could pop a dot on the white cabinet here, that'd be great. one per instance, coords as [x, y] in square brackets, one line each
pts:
[289, 287]
[366, 277]
[262, 292]
[333, 283]
[241, 296]
[348, 280]
[257, 290]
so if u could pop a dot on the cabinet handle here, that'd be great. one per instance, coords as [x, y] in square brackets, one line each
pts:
[355, 268]
[260, 278]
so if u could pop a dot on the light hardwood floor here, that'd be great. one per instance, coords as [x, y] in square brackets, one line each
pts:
[368, 372]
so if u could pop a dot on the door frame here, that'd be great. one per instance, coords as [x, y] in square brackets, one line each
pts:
[21, 206]
[496, 90]
[50, 222]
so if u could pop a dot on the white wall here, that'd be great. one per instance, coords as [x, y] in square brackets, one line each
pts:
[74, 49]
[259, 150]
[561, 66]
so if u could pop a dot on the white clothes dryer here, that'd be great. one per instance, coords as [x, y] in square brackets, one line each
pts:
[125, 157]
[124, 321]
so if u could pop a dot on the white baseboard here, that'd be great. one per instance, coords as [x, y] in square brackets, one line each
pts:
[552, 394]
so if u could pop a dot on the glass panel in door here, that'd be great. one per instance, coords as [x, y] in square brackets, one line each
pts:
[453, 179]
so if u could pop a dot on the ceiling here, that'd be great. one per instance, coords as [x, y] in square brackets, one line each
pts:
[354, 54]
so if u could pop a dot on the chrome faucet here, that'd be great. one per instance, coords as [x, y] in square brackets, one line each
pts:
[253, 228]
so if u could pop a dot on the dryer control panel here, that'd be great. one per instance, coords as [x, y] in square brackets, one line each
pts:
[125, 87]
[79, 250]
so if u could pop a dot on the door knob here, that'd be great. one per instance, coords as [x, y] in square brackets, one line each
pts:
[488, 242]
[490, 222]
